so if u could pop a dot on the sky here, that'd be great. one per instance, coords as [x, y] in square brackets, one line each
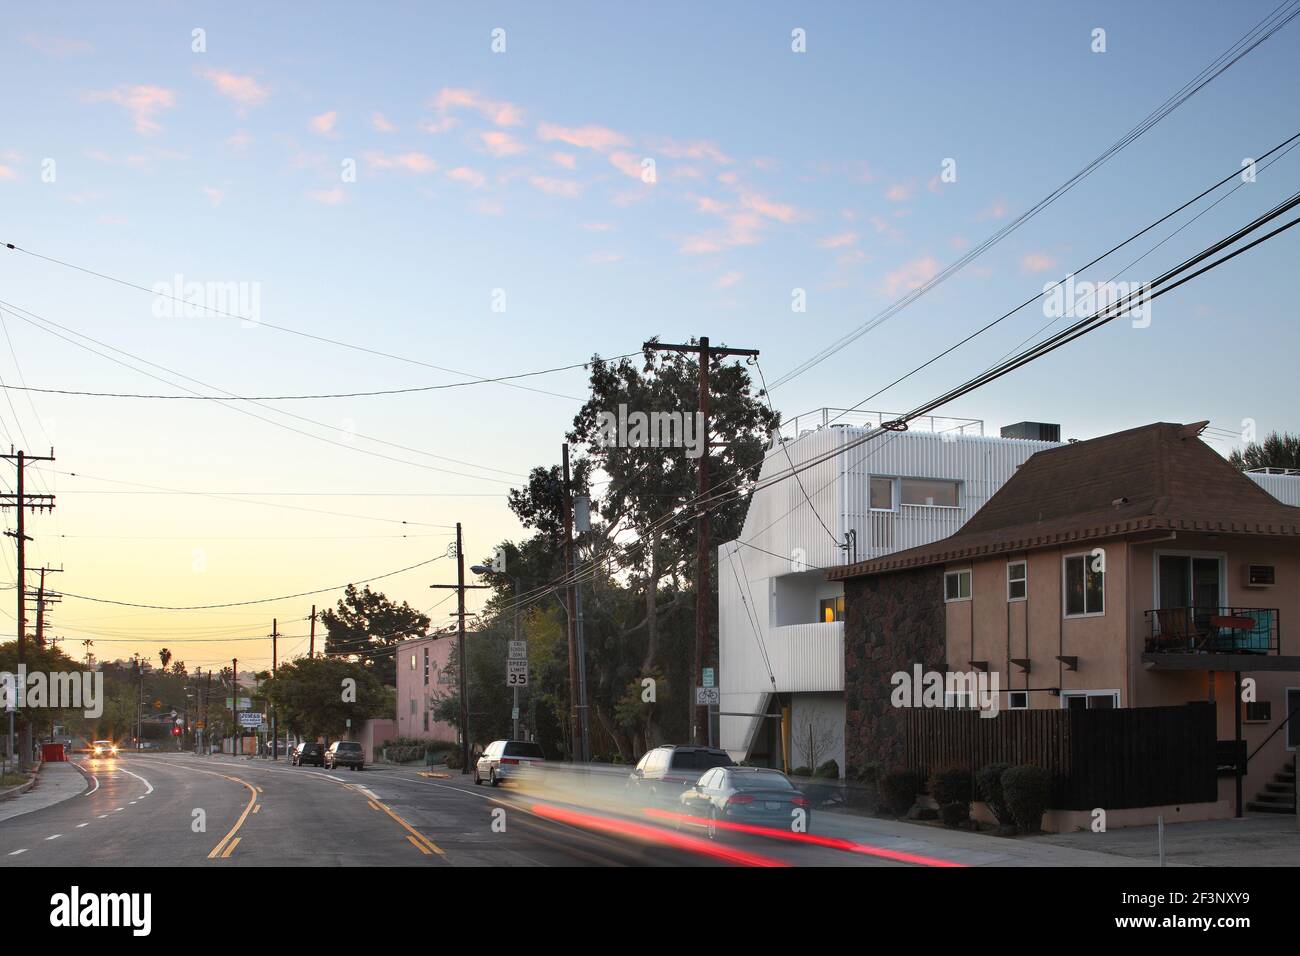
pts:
[467, 191]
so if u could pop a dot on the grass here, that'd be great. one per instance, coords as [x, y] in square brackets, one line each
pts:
[12, 779]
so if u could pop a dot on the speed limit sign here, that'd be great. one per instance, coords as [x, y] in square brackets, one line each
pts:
[516, 673]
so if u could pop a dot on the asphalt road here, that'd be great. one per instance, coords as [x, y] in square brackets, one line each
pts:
[182, 810]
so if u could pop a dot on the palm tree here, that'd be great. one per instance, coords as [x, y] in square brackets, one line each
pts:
[165, 656]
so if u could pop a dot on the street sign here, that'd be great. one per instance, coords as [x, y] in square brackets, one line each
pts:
[708, 677]
[514, 713]
[244, 703]
[518, 651]
[708, 695]
[250, 720]
[516, 673]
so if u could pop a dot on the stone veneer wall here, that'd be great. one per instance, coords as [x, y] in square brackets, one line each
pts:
[891, 623]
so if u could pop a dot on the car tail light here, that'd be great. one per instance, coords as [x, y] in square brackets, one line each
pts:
[509, 760]
[799, 801]
[739, 798]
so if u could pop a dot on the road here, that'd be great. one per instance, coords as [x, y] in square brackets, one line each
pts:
[182, 810]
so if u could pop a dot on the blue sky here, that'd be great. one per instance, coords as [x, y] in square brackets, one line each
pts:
[520, 171]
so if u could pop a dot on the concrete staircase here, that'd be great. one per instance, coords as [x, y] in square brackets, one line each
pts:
[1278, 795]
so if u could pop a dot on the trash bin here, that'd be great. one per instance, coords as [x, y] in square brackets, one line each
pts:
[53, 752]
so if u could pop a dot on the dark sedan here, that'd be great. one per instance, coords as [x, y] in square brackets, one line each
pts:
[751, 796]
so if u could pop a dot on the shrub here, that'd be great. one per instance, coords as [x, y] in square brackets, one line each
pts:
[988, 784]
[830, 770]
[954, 814]
[1026, 790]
[453, 759]
[898, 790]
[950, 784]
[801, 772]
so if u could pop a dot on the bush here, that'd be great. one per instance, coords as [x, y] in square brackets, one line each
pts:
[801, 772]
[988, 784]
[898, 790]
[1026, 790]
[954, 814]
[453, 759]
[830, 770]
[951, 784]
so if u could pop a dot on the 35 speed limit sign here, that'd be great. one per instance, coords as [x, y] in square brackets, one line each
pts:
[516, 673]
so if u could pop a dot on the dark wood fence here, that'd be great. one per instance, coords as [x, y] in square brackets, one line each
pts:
[1127, 757]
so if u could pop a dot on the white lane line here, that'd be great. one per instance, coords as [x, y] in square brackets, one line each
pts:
[16, 852]
[55, 837]
[369, 793]
[118, 809]
[80, 825]
[102, 815]
[133, 803]
[94, 788]
[141, 779]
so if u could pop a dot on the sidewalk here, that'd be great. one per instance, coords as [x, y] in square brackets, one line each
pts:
[1263, 840]
[55, 782]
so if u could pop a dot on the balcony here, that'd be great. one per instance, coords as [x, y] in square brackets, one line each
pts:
[1213, 630]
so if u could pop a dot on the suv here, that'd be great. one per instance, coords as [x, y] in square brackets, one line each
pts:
[345, 753]
[307, 752]
[507, 758]
[663, 773]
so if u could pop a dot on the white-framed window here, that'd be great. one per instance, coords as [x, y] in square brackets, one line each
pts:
[1017, 700]
[956, 585]
[1017, 580]
[959, 700]
[1084, 584]
[1089, 699]
[929, 492]
[882, 494]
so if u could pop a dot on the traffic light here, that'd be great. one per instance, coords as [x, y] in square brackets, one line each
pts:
[176, 731]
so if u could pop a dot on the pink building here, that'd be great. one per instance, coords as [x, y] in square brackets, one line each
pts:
[423, 678]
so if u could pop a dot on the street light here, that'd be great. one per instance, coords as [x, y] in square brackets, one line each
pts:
[485, 569]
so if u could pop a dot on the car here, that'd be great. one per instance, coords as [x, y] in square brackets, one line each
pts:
[103, 748]
[345, 753]
[664, 772]
[308, 752]
[755, 796]
[503, 759]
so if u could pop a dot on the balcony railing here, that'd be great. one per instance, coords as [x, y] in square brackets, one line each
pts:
[1213, 630]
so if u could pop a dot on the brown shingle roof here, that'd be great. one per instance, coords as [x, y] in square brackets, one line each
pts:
[1157, 477]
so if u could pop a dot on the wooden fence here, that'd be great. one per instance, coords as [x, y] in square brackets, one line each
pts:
[1126, 757]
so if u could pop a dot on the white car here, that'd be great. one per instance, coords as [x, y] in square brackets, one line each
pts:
[504, 759]
[103, 748]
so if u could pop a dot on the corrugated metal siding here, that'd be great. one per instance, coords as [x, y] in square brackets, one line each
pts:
[782, 530]
[1285, 488]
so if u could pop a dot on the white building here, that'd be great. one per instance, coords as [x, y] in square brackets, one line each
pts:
[781, 633]
[1282, 483]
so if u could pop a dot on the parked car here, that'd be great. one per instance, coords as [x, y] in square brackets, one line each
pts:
[345, 753]
[503, 759]
[751, 795]
[308, 753]
[663, 773]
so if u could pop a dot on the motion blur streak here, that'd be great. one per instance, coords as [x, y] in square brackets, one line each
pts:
[833, 843]
[655, 835]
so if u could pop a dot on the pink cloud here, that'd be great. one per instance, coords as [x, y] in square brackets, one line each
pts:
[556, 187]
[498, 112]
[781, 212]
[899, 192]
[626, 163]
[598, 138]
[1037, 262]
[604, 258]
[380, 122]
[838, 241]
[412, 162]
[324, 124]
[328, 197]
[699, 149]
[911, 275]
[727, 280]
[143, 102]
[56, 46]
[7, 172]
[501, 144]
[244, 90]
[464, 174]
[215, 196]
[567, 160]
[996, 210]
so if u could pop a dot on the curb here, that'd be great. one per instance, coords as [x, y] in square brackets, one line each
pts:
[23, 787]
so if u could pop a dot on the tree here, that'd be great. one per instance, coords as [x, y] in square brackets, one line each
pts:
[317, 696]
[165, 656]
[1275, 451]
[365, 624]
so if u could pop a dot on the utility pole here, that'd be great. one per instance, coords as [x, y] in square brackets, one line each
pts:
[275, 739]
[234, 703]
[704, 651]
[43, 598]
[20, 500]
[207, 695]
[463, 670]
[570, 606]
[311, 647]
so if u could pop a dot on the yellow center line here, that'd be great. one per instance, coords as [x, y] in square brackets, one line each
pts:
[257, 808]
[252, 799]
[231, 847]
[418, 845]
[415, 835]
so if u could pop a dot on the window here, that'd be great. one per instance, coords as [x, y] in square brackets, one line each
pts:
[1085, 584]
[956, 586]
[412, 662]
[959, 700]
[882, 494]
[928, 492]
[1090, 699]
[413, 705]
[1018, 699]
[832, 609]
[426, 667]
[1259, 711]
[1017, 580]
[426, 718]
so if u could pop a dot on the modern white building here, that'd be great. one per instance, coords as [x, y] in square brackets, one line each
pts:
[1282, 483]
[781, 630]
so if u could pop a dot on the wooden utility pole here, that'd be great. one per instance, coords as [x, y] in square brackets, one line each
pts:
[275, 737]
[705, 653]
[570, 607]
[311, 647]
[462, 669]
[238, 738]
[43, 598]
[20, 500]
